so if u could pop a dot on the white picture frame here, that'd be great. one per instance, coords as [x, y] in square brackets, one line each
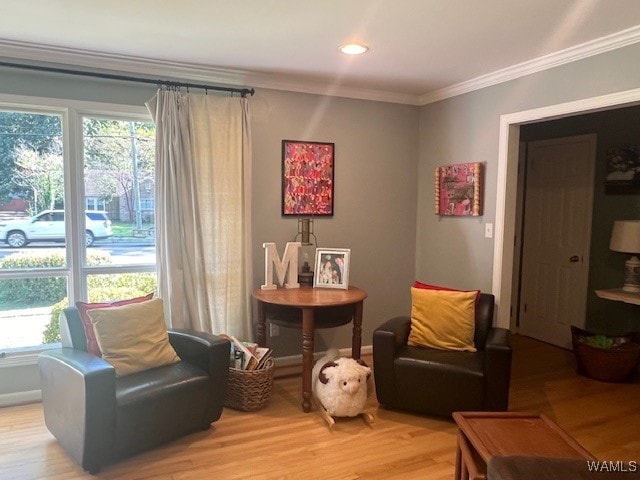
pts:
[331, 268]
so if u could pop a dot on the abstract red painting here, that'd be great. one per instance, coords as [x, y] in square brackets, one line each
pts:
[307, 178]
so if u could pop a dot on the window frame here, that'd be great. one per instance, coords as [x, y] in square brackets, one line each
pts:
[72, 113]
[97, 204]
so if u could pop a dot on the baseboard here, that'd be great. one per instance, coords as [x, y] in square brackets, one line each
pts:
[20, 398]
[292, 365]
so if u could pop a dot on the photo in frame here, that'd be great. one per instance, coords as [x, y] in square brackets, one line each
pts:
[458, 190]
[332, 268]
[307, 178]
[623, 170]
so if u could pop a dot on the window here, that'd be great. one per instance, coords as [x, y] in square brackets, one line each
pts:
[148, 204]
[95, 203]
[75, 223]
[119, 165]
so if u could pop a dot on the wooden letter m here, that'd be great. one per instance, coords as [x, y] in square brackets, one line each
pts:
[288, 266]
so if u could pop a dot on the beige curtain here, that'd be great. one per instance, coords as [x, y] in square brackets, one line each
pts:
[203, 184]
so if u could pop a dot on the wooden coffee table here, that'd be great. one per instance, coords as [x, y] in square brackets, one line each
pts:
[484, 435]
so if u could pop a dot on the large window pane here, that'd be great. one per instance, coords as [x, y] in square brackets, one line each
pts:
[32, 227]
[119, 176]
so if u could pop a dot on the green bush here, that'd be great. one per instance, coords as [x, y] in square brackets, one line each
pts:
[29, 291]
[51, 333]
[103, 288]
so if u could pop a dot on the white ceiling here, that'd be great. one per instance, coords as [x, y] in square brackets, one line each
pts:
[420, 50]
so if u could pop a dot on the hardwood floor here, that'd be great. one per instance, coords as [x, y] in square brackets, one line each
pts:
[282, 442]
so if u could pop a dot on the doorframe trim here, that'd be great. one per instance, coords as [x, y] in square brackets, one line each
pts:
[508, 149]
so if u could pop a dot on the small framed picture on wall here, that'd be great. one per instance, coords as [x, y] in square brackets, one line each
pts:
[623, 170]
[332, 268]
[459, 190]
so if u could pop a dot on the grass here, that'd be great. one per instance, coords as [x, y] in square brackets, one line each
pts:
[125, 229]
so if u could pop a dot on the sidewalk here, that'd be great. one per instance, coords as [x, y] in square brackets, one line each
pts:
[25, 312]
[23, 327]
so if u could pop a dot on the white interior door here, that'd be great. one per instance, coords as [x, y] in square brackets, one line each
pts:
[557, 235]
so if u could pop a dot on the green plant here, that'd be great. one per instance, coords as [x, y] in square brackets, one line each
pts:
[29, 291]
[51, 333]
[600, 341]
[103, 288]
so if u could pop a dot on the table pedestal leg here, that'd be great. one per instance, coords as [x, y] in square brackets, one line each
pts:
[356, 338]
[307, 357]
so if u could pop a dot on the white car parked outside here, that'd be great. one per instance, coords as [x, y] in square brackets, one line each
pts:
[48, 226]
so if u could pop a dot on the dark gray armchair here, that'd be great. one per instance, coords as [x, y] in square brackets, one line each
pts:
[99, 418]
[441, 382]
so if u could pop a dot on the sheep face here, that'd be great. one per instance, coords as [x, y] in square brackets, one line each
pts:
[349, 375]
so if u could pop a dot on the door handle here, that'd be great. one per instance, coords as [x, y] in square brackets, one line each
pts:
[574, 259]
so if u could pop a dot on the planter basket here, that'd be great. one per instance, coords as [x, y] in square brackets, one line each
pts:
[249, 390]
[605, 364]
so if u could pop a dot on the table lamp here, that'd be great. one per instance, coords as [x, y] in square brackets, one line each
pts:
[305, 232]
[625, 237]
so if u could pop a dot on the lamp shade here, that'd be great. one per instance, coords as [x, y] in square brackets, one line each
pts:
[625, 236]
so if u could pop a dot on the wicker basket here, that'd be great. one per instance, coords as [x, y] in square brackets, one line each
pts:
[249, 390]
[605, 364]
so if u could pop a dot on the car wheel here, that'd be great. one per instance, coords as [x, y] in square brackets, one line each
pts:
[16, 239]
[88, 238]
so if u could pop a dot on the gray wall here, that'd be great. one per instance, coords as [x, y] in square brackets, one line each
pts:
[376, 151]
[18, 378]
[614, 128]
[453, 251]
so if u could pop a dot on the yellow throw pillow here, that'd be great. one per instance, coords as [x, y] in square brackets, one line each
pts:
[133, 337]
[442, 319]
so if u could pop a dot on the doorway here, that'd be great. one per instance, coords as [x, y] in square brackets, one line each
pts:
[508, 151]
[557, 196]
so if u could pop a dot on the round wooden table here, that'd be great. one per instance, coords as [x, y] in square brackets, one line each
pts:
[310, 308]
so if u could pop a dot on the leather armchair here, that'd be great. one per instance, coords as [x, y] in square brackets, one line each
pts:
[99, 418]
[441, 382]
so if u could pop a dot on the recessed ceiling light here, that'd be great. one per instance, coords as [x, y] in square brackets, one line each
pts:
[354, 49]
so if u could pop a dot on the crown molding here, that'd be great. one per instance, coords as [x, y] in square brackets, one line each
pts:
[100, 61]
[605, 44]
[164, 69]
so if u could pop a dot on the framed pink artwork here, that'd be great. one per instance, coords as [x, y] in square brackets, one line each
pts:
[459, 190]
[307, 178]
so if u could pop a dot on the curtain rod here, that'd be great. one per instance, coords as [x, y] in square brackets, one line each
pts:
[169, 83]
